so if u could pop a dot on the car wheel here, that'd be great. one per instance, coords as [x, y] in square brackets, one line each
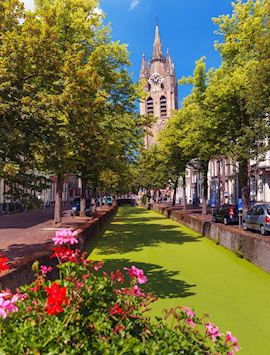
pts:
[262, 229]
[225, 221]
[245, 226]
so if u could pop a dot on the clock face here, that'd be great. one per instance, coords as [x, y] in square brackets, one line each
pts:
[155, 79]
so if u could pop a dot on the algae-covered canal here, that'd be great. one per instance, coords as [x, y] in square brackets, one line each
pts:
[186, 269]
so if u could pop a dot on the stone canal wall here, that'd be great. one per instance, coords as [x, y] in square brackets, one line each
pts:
[21, 270]
[248, 245]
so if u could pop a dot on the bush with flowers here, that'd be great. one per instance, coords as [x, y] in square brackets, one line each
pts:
[89, 311]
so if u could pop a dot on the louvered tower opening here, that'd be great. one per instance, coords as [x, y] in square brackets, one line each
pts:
[150, 106]
[163, 106]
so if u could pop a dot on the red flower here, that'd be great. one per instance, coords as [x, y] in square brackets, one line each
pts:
[54, 309]
[56, 298]
[3, 263]
[65, 254]
[118, 328]
[117, 276]
[116, 309]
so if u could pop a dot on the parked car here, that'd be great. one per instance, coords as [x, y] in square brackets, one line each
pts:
[258, 218]
[227, 214]
[75, 207]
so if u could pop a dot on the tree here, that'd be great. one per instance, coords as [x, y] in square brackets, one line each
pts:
[67, 78]
[151, 172]
[201, 132]
[246, 46]
[173, 155]
[237, 96]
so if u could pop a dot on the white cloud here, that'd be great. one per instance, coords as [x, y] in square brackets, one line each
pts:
[134, 3]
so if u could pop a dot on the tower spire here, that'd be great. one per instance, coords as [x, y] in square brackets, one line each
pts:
[157, 47]
[169, 64]
[144, 68]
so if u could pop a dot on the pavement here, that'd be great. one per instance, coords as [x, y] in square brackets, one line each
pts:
[27, 233]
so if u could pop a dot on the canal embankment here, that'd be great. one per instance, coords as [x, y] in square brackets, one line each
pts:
[33, 242]
[248, 245]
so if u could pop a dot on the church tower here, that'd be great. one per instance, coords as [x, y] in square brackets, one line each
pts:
[160, 84]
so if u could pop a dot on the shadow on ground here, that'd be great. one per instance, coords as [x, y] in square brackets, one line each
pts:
[130, 232]
[162, 283]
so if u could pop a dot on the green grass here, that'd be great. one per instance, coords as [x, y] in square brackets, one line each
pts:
[186, 269]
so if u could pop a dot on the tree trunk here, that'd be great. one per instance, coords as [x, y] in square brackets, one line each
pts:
[58, 200]
[205, 188]
[83, 198]
[174, 191]
[243, 183]
[184, 193]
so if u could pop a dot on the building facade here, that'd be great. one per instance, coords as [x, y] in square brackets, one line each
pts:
[45, 198]
[159, 81]
[223, 182]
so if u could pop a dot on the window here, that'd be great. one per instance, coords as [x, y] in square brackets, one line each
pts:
[251, 212]
[163, 106]
[150, 106]
[259, 211]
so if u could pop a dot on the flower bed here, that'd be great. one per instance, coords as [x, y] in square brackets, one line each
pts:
[87, 310]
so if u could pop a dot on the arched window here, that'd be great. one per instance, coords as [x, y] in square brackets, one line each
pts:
[163, 106]
[150, 106]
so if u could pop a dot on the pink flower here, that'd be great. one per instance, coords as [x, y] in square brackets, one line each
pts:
[136, 291]
[5, 294]
[190, 322]
[188, 312]
[44, 269]
[8, 306]
[134, 272]
[231, 339]
[231, 352]
[65, 236]
[11, 307]
[98, 265]
[4, 307]
[212, 331]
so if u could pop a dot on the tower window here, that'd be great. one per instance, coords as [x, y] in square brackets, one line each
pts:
[163, 106]
[150, 106]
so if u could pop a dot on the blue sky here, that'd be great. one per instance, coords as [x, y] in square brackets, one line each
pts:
[185, 25]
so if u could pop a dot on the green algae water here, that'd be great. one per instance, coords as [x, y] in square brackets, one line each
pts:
[185, 269]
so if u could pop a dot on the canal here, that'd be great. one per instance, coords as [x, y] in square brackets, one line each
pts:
[185, 269]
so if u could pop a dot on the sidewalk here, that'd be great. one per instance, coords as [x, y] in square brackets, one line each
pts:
[28, 233]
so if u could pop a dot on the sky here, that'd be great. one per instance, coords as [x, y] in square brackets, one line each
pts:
[186, 28]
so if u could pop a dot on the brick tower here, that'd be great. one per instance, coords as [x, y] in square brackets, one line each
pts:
[160, 85]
